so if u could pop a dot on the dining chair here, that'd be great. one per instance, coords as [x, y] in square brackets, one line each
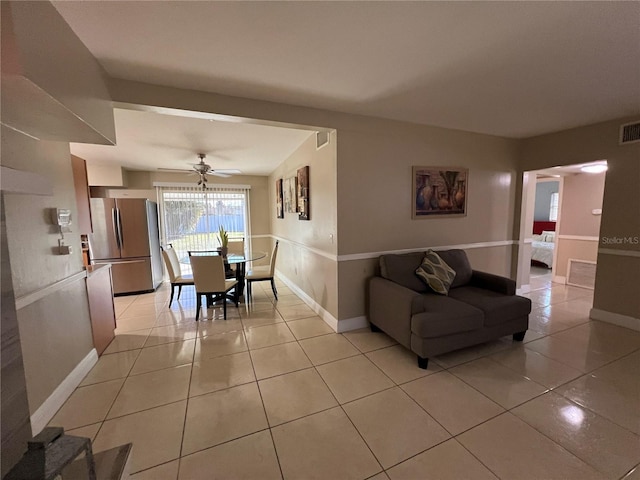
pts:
[202, 252]
[209, 278]
[234, 247]
[261, 274]
[176, 277]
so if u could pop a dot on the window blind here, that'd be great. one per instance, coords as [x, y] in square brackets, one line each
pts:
[190, 217]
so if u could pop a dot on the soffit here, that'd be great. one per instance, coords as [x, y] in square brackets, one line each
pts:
[514, 69]
[152, 141]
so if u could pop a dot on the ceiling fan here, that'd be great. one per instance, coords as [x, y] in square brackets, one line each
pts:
[203, 169]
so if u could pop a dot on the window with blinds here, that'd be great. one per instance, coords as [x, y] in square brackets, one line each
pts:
[553, 208]
[190, 217]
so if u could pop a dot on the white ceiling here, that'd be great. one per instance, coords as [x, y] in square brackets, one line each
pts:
[514, 69]
[149, 141]
[566, 170]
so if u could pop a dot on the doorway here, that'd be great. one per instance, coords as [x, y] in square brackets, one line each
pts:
[560, 225]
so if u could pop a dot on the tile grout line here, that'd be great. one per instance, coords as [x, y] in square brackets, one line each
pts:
[395, 384]
[315, 367]
[186, 410]
[264, 408]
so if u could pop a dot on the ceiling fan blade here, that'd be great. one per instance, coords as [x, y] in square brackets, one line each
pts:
[218, 174]
[228, 171]
[174, 169]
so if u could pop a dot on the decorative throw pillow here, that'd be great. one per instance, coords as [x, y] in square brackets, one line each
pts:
[436, 273]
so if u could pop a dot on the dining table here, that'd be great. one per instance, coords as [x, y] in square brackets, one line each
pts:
[240, 262]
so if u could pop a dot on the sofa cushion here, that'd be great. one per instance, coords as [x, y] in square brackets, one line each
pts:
[401, 269]
[435, 273]
[445, 316]
[457, 259]
[497, 307]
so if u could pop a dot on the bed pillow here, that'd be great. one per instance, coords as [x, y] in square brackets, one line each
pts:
[536, 238]
[548, 236]
[436, 273]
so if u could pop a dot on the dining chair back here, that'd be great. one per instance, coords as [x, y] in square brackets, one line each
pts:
[236, 247]
[209, 278]
[274, 254]
[196, 253]
[260, 274]
[176, 278]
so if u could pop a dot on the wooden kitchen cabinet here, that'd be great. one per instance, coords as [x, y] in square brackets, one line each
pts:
[101, 309]
[79, 168]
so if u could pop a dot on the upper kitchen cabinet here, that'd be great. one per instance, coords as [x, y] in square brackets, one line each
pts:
[99, 175]
[79, 168]
[60, 96]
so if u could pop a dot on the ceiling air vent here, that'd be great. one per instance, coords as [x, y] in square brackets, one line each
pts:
[629, 133]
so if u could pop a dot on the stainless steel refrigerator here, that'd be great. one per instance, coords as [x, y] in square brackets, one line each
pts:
[125, 234]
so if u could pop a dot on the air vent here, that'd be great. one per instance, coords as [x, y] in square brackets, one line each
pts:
[581, 273]
[322, 138]
[629, 133]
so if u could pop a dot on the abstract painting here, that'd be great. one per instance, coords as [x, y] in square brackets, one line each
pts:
[290, 204]
[303, 193]
[279, 199]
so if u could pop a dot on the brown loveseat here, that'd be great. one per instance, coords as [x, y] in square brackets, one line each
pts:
[480, 306]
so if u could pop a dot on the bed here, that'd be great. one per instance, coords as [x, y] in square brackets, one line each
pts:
[543, 243]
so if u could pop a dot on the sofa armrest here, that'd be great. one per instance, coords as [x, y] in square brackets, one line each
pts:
[493, 282]
[391, 307]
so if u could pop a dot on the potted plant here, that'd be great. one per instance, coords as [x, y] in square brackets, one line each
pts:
[223, 237]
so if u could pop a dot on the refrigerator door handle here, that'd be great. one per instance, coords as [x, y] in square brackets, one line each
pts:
[109, 262]
[120, 235]
[114, 224]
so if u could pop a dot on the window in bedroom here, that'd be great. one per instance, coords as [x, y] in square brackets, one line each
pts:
[553, 209]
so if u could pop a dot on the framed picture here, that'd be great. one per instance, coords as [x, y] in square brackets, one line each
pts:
[303, 193]
[279, 199]
[290, 204]
[439, 192]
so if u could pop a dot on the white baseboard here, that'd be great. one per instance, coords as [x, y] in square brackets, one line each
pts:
[523, 289]
[338, 326]
[51, 405]
[615, 318]
[353, 323]
[315, 306]
[559, 279]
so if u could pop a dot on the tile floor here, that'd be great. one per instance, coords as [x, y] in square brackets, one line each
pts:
[272, 392]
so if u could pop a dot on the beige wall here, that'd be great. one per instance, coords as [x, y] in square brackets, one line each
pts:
[374, 186]
[307, 251]
[55, 329]
[618, 271]
[32, 237]
[374, 160]
[569, 248]
[581, 194]
[55, 332]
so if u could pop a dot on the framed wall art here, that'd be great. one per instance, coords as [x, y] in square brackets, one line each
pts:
[303, 193]
[439, 192]
[279, 199]
[290, 203]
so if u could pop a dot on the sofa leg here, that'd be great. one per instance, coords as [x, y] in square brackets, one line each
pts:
[518, 337]
[423, 362]
[374, 328]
